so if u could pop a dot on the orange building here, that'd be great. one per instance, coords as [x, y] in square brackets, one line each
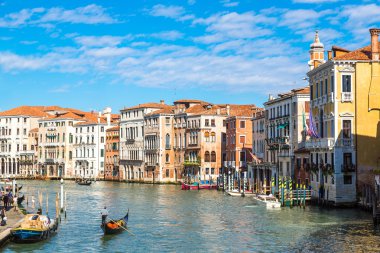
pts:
[239, 140]
[112, 171]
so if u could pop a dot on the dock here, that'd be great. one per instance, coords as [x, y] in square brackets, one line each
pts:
[14, 218]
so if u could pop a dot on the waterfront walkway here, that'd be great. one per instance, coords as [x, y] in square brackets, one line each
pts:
[14, 219]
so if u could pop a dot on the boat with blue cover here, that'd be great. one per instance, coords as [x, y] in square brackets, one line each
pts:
[34, 228]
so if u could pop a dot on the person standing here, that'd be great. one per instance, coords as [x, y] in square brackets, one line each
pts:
[15, 203]
[5, 200]
[2, 213]
[104, 214]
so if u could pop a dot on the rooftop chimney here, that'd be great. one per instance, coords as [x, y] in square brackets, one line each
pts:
[228, 109]
[162, 102]
[375, 43]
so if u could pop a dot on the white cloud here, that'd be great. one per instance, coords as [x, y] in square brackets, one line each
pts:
[99, 41]
[233, 25]
[62, 89]
[359, 18]
[315, 1]
[229, 3]
[191, 2]
[109, 51]
[300, 19]
[171, 11]
[28, 42]
[90, 14]
[168, 35]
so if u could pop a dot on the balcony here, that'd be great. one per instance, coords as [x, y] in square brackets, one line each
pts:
[346, 97]
[229, 164]
[189, 163]
[330, 97]
[346, 168]
[345, 142]
[130, 141]
[324, 143]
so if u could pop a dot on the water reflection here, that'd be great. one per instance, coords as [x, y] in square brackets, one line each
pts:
[166, 219]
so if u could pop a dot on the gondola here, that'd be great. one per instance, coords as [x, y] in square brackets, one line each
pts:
[114, 227]
[20, 199]
[86, 182]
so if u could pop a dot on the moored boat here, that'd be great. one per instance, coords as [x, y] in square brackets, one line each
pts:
[114, 227]
[34, 228]
[197, 186]
[269, 201]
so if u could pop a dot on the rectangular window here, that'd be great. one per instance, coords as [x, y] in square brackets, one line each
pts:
[167, 173]
[242, 139]
[212, 171]
[101, 139]
[346, 129]
[242, 156]
[242, 124]
[101, 164]
[213, 122]
[206, 122]
[311, 92]
[346, 83]
[167, 120]
[332, 83]
[347, 179]
[102, 153]
[326, 87]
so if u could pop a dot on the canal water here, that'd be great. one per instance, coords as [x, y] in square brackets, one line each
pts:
[165, 219]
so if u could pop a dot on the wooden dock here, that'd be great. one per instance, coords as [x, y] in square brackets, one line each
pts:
[14, 218]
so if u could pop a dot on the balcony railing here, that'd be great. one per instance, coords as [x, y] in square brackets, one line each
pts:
[345, 142]
[188, 163]
[348, 168]
[242, 164]
[346, 97]
[324, 143]
[330, 97]
[130, 141]
[229, 164]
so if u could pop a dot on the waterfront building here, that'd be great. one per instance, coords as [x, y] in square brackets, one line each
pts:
[238, 149]
[112, 171]
[159, 146]
[345, 104]
[285, 132]
[29, 157]
[89, 144]
[258, 169]
[15, 126]
[132, 139]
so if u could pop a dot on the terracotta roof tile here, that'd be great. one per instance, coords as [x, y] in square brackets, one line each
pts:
[32, 111]
[147, 105]
[166, 110]
[34, 130]
[363, 54]
[115, 128]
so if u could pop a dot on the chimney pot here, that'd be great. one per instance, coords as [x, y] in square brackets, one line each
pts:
[375, 43]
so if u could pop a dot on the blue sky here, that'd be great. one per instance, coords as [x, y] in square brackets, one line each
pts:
[93, 54]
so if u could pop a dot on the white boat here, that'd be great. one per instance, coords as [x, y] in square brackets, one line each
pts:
[267, 200]
[234, 193]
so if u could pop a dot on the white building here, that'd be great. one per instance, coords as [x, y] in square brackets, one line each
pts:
[89, 145]
[132, 139]
[15, 125]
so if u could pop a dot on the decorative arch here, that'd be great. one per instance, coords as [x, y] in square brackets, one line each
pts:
[207, 156]
[213, 156]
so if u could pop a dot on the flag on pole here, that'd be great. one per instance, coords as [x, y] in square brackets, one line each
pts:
[312, 129]
[305, 126]
[255, 158]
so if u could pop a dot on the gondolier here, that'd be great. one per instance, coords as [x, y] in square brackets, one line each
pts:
[104, 214]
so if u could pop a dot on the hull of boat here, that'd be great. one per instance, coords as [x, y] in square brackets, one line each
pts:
[200, 187]
[27, 235]
[268, 204]
[111, 228]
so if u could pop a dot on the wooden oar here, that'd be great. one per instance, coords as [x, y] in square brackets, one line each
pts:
[122, 227]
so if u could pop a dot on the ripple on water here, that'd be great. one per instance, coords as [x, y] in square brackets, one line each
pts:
[166, 219]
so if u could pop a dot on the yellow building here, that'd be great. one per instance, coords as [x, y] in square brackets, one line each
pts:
[345, 104]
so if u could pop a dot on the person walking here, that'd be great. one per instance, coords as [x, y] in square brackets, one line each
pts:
[104, 214]
[5, 200]
[2, 213]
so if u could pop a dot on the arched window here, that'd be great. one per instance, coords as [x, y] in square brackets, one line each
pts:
[167, 158]
[213, 156]
[207, 156]
[175, 141]
[213, 137]
[167, 142]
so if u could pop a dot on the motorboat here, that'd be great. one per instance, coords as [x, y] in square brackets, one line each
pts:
[269, 201]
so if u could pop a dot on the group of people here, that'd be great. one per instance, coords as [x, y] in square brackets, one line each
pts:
[9, 200]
